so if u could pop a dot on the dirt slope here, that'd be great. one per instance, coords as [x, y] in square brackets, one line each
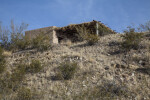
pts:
[99, 64]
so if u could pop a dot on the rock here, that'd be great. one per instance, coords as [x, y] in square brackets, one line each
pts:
[47, 73]
[108, 54]
[120, 66]
[133, 67]
[123, 66]
[106, 68]
[124, 75]
[117, 66]
[140, 62]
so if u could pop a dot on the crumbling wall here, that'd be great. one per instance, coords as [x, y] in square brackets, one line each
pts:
[33, 33]
[47, 30]
[70, 32]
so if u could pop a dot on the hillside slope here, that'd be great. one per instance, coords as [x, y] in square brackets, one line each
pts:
[105, 72]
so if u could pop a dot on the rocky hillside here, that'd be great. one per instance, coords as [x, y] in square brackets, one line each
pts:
[105, 72]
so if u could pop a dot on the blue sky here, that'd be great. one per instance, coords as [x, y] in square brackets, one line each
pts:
[117, 14]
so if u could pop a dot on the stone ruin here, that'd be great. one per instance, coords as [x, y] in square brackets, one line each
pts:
[58, 34]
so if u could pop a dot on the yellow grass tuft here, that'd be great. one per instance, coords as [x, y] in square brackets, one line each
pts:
[7, 53]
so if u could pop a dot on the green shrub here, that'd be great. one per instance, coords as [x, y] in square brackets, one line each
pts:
[34, 67]
[67, 70]
[131, 39]
[2, 61]
[41, 42]
[24, 94]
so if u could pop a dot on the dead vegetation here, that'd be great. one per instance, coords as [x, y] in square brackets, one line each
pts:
[80, 72]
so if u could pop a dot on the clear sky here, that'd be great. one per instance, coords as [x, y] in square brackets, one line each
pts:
[117, 14]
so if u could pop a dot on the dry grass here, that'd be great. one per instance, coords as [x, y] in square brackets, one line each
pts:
[7, 53]
[66, 42]
[96, 66]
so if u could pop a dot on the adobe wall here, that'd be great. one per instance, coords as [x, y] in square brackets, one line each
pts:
[47, 30]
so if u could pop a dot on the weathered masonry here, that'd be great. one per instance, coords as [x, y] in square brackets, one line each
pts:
[58, 34]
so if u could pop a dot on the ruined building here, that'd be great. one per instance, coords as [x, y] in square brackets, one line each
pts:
[57, 34]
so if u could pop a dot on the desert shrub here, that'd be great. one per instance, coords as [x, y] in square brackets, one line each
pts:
[105, 91]
[2, 61]
[1, 51]
[4, 84]
[21, 43]
[2, 66]
[92, 39]
[104, 30]
[19, 73]
[3, 36]
[34, 67]
[41, 42]
[17, 77]
[24, 94]
[145, 26]
[10, 83]
[82, 32]
[66, 70]
[85, 34]
[131, 39]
